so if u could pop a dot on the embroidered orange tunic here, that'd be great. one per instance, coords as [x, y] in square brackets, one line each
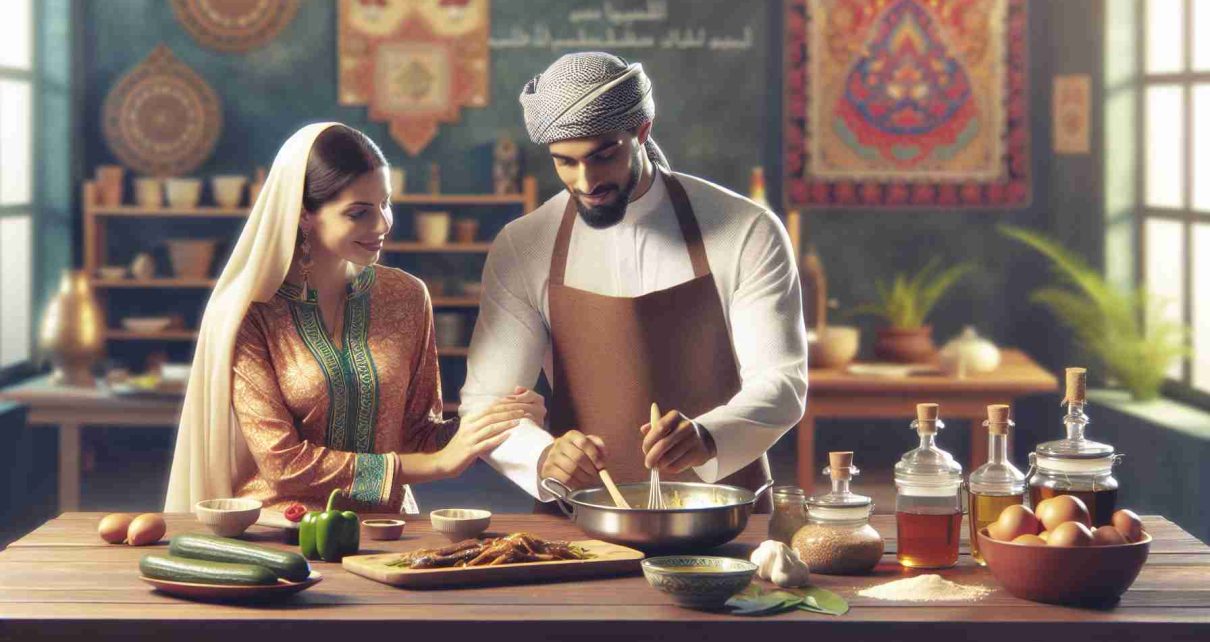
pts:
[317, 416]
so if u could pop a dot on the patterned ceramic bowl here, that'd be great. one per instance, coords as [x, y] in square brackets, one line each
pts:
[697, 581]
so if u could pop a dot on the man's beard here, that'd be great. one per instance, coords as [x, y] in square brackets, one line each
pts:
[603, 216]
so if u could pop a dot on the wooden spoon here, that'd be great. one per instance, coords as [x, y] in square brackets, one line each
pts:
[616, 494]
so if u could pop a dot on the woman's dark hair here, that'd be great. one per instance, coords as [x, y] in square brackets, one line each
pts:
[338, 157]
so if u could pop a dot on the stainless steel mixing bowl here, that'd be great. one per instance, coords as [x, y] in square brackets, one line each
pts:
[699, 516]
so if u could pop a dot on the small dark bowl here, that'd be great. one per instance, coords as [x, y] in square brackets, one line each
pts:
[1088, 575]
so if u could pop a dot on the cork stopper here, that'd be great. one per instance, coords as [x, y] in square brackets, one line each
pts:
[840, 464]
[1077, 385]
[926, 415]
[997, 419]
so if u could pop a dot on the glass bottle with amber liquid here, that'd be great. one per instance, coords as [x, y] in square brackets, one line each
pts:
[1076, 466]
[928, 505]
[997, 484]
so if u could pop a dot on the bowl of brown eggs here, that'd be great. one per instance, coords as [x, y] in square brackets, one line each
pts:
[1054, 555]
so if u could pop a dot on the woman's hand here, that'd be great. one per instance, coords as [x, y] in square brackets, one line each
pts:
[477, 435]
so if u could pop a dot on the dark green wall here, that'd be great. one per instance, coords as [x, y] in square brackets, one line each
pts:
[717, 117]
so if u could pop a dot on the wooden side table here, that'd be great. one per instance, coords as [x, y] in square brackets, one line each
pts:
[836, 394]
[69, 409]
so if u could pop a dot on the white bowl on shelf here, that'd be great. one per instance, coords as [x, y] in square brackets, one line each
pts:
[433, 228]
[228, 189]
[183, 192]
[146, 324]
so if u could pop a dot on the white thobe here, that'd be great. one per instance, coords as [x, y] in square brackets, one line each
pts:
[757, 279]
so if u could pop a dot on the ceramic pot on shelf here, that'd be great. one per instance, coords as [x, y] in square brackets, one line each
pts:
[109, 185]
[191, 258]
[149, 192]
[73, 330]
[184, 193]
[228, 190]
[969, 353]
[905, 345]
[433, 228]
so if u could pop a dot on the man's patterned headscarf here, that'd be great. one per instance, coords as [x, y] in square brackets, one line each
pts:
[589, 94]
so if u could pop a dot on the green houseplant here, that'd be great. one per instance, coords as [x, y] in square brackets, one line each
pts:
[904, 304]
[1121, 330]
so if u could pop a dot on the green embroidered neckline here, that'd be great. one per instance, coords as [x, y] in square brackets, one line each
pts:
[359, 286]
[352, 378]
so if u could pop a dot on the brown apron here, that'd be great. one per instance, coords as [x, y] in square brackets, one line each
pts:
[614, 356]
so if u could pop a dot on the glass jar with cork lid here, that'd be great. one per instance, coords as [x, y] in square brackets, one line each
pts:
[928, 504]
[838, 538]
[997, 484]
[1075, 466]
[789, 513]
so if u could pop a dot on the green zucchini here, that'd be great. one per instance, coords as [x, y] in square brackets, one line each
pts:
[284, 564]
[181, 569]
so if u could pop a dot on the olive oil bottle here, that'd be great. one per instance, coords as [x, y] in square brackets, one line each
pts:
[997, 484]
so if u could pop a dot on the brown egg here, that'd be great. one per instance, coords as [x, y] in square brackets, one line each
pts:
[1107, 536]
[147, 528]
[113, 527]
[1128, 524]
[1044, 535]
[1029, 540]
[1064, 508]
[1070, 534]
[1014, 521]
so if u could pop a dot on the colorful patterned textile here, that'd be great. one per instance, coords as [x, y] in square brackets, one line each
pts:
[319, 415]
[906, 103]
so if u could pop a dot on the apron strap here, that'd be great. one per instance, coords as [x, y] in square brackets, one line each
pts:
[690, 231]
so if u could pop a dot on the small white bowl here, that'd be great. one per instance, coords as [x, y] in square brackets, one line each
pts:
[458, 524]
[183, 192]
[146, 324]
[228, 517]
[112, 272]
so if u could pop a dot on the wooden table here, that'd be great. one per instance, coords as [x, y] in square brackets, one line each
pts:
[62, 581]
[836, 394]
[68, 409]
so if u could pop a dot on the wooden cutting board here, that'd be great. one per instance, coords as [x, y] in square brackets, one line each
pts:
[608, 559]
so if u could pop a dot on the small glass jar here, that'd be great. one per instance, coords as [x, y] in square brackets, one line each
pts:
[928, 499]
[838, 538]
[1075, 466]
[789, 513]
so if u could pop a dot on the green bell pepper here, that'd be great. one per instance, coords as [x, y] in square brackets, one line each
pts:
[331, 534]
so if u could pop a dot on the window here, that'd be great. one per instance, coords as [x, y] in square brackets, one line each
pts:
[1174, 202]
[16, 181]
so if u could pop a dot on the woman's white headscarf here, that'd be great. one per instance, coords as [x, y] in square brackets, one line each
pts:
[210, 449]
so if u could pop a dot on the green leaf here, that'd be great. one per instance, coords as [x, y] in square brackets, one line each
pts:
[753, 601]
[820, 600]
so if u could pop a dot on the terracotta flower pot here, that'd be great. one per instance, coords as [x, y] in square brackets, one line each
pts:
[906, 345]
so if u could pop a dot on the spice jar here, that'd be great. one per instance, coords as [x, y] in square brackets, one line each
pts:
[789, 513]
[1076, 465]
[838, 538]
[928, 505]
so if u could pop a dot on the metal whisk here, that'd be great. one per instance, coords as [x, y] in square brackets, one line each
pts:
[655, 499]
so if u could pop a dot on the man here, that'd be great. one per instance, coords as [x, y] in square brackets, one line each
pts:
[636, 286]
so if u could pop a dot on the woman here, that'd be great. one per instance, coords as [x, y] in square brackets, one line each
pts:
[316, 369]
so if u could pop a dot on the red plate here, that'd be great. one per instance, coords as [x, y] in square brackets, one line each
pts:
[227, 593]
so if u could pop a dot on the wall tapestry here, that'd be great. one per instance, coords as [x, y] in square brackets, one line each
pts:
[415, 63]
[161, 118]
[234, 26]
[906, 103]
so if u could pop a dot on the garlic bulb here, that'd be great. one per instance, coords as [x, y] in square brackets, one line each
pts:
[779, 564]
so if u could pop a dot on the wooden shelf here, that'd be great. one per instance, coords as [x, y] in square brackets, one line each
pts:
[114, 334]
[453, 352]
[448, 248]
[133, 211]
[152, 283]
[455, 302]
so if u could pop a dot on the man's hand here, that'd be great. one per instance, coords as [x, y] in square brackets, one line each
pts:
[574, 459]
[676, 444]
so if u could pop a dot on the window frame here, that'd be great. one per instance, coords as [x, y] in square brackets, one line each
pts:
[22, 369]
[1183, 388]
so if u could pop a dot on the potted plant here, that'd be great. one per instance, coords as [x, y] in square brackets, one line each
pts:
[1122, 330]
[904, 304]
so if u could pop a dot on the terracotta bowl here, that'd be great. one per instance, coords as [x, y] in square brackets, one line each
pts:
[383, 529]
[1064, 574]
[228, 517]
[458, 524]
